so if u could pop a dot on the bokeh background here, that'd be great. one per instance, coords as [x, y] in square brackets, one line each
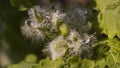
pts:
[13, 45]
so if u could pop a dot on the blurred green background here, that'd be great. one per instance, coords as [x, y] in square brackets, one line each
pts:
[13, 45]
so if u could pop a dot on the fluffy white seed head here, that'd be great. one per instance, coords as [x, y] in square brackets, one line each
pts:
[45, 22]
[31, 30]
[58, 16]
[81, 46]
[73, 36]
[58, 47]
[75, 42]
[42, 22]
[39, 25]
[76, 45]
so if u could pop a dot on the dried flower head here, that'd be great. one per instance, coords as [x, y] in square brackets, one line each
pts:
[73, 44]
[58, 47]
[58, 17]
[42, 23]
[67, 30]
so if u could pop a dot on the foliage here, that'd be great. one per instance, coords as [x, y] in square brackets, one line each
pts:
[110, 60]
[65, 34]
[109, 17]
[76, 62]
[47, 63]
[29, 62]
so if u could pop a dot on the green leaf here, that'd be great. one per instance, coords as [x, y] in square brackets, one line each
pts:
[101, 4]
[87, 64]
[31, 58]
[109, 17]
[76, 62]
[113, 58]
[22, 65]
[100, 63]
[47, 63]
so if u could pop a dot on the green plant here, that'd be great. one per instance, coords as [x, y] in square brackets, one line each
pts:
[67, 34]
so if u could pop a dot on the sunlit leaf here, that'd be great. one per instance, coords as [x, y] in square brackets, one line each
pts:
[109, 17]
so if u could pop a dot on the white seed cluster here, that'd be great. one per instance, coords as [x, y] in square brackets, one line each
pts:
[57, 47]
[58, 16]
[76, 44]
[68, 30]
[42, 23]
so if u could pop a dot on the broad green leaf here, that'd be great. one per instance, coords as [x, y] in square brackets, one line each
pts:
[76, 62]
[100, 63]
[22, 65]
[47, 63]
[31, 58]
[101, 4]
[87, 64]
[113, 58]
[109, 17]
